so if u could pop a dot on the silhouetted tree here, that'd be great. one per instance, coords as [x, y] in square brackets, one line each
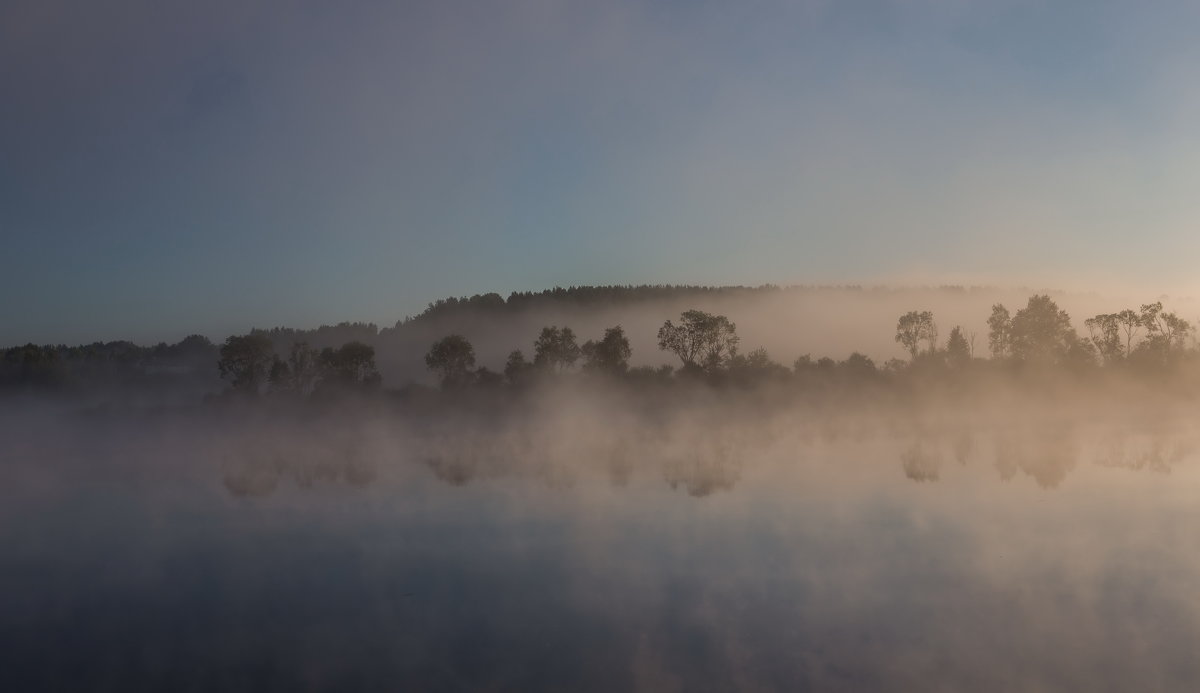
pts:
[1104, 331]
[555, 348]
[915, 327]
[1113, 334]
[302, 368]
[452, 358]
[1000, 332]
[858, 366]
[1041, 331]
[958, 351]
[700, 340]
[299, 373]
[193, 350]
[351, 365]
[826, 367]
[1166, 334]
[756, 367]
[1130, 324]
[610, 355]
[651, 374]
[245, 361]
[759, 359]
[486, 377]
[516, 368]
[278, 375]
[194, 343]
[1168, 329]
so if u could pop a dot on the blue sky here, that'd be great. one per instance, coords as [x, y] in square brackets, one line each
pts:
[172, 167]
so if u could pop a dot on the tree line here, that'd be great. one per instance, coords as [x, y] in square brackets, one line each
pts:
[108, 364]
[251, 365]
[704, 344]
[1040, 334]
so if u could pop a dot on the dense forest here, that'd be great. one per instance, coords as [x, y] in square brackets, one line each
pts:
[696, 345]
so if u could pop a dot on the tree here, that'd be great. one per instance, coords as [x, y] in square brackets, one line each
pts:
[1113, 334]
[1080, 353]
[194, 343]
[298, 374]
[555, 348]
[1130, 324]
[192, 350]
[700, 340]
[486, 377]
[858, 366]
[1000, 332]
[1168, 328]
[516, 368]
[958, 351]
[1041, 331]
[351, 365]
[302, 367]
[452, 358]
[759, 359]
[278, 375]
[245, 361]
[1104, 331]
[1166, 333]
[915, 327]
[756, 367]
[610, 355]
[1174, 330]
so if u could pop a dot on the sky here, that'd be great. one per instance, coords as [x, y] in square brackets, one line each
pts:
[177, 167]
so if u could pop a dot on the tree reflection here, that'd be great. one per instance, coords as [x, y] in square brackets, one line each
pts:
[921, 461]
[620, 464]
[1007, 455]
[698, 455]
[963, 445]
[706, 468]
[456, 470]
[1047, 455]
[258, 473]
[1155, 453]
[1052, 456]
[251, 481]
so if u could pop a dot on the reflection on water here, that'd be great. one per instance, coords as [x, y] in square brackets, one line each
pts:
[921, 462]
[754, 553]
[703, 462]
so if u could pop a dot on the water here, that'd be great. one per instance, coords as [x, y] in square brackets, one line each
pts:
[821, 561]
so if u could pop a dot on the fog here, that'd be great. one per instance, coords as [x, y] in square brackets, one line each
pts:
[788, 322]
[1011, 513]
[959, 453]
[582, 533]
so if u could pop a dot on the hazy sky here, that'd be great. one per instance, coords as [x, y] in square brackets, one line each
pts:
[170, 167]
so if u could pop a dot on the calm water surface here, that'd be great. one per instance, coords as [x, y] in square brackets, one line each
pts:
[136, 562]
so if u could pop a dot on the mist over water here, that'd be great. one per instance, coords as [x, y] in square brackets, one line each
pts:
[590, 535]
[952, 445]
